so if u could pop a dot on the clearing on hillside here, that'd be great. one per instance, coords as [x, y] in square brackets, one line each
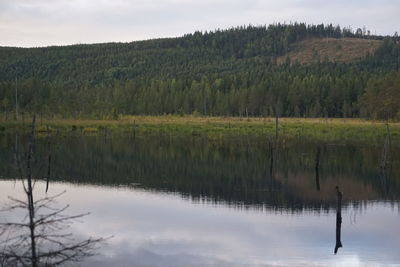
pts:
[330, 49]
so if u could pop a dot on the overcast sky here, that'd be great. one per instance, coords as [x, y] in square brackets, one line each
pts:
[30, 23]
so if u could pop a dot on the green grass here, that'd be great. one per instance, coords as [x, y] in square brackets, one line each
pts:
[214, 128]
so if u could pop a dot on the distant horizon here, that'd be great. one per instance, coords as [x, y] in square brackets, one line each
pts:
[43, 23]
[187, 33]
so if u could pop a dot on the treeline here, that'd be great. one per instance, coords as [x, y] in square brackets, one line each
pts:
[225, 72]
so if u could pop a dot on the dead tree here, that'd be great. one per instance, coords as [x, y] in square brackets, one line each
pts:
[41, 237]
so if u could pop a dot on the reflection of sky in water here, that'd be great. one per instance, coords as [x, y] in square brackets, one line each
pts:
[164, 230]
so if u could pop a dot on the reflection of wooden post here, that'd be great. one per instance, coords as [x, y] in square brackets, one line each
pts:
[386, 161]
[338, 219]
[276, 124]
[271, 155]
[134, 129]
[317, 168]
[49, 159]
[105, 134]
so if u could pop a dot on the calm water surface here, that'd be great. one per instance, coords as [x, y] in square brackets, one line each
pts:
[189, 201]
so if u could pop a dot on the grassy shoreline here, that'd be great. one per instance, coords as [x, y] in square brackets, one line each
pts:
[333, 129]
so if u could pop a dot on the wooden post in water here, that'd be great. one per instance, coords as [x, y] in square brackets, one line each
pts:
[338, 219]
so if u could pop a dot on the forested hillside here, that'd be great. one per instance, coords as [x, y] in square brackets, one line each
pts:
[254, 71]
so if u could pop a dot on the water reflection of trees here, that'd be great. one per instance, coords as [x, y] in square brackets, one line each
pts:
[234, 171]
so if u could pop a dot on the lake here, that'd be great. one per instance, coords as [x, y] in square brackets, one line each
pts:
[191, 201]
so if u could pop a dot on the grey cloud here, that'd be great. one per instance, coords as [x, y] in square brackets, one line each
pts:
[48, 22]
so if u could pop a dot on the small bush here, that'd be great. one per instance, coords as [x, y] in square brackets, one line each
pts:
[90, 130]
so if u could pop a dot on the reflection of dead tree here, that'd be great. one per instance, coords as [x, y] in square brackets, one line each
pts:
[386, 152]
[271, 158]
[317, 168]
[385, 164]
[40, 238]
[338, 219]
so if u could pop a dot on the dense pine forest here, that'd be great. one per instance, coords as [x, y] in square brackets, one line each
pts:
[234, 72]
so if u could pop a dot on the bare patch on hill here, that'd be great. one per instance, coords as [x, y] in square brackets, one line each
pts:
[330, 49]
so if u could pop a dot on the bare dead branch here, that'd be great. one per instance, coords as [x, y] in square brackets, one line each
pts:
[40, 237]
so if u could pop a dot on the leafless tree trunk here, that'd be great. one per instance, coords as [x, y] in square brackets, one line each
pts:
[29, 193]
[44, 223]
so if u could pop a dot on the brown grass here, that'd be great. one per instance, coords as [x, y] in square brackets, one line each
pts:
[198, 120]
[332, 130]
[330, 49]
